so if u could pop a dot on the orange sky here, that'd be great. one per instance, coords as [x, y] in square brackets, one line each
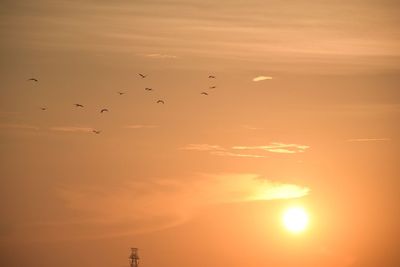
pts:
[305, 111]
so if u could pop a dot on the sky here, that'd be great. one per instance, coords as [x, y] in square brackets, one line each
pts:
[303, 111]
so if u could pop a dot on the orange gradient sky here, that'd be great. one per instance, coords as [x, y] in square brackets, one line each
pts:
[305, 112]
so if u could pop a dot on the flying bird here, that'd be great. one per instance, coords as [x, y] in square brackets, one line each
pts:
[212, 87]
[148, 89]
[78, 105]
[142, 75]
[33, 79]
[121, 93]
[96, 131]
[103, 110]
[160, 102]
[204, 93]
[211, 77]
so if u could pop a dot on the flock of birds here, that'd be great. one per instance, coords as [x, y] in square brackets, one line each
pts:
[143, 76]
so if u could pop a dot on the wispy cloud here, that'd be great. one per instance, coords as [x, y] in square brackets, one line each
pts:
[19, 126]
[188, 35]
[273, 148]
[108, 211]
[231, 154]
[276, 148]
[261, 78]
[368, 139]
[218, 151]
[140, 126]
[71, 129]
[160, 56]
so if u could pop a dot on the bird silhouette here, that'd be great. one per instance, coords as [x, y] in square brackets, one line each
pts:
[142, 75]
[211, 77]
[212, 87]
[148, 89]
[121, 93]
[96, 131]
[204, 93]
[33, 80]
[78, 105]
[160, 102]
[103, 110]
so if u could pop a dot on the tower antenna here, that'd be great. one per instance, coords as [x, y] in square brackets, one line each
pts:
[134, 258]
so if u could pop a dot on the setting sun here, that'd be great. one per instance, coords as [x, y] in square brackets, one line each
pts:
[295, 219]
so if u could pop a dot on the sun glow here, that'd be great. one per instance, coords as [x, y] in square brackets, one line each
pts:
[295, 219]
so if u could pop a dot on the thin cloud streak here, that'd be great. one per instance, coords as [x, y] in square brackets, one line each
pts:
[71, 129]
[160, 56]
[218, 151]
[261, 78]
[203, 147]
[368, 139]
[282, 150]
[276, 148]
[231, 154]
[141, 126]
